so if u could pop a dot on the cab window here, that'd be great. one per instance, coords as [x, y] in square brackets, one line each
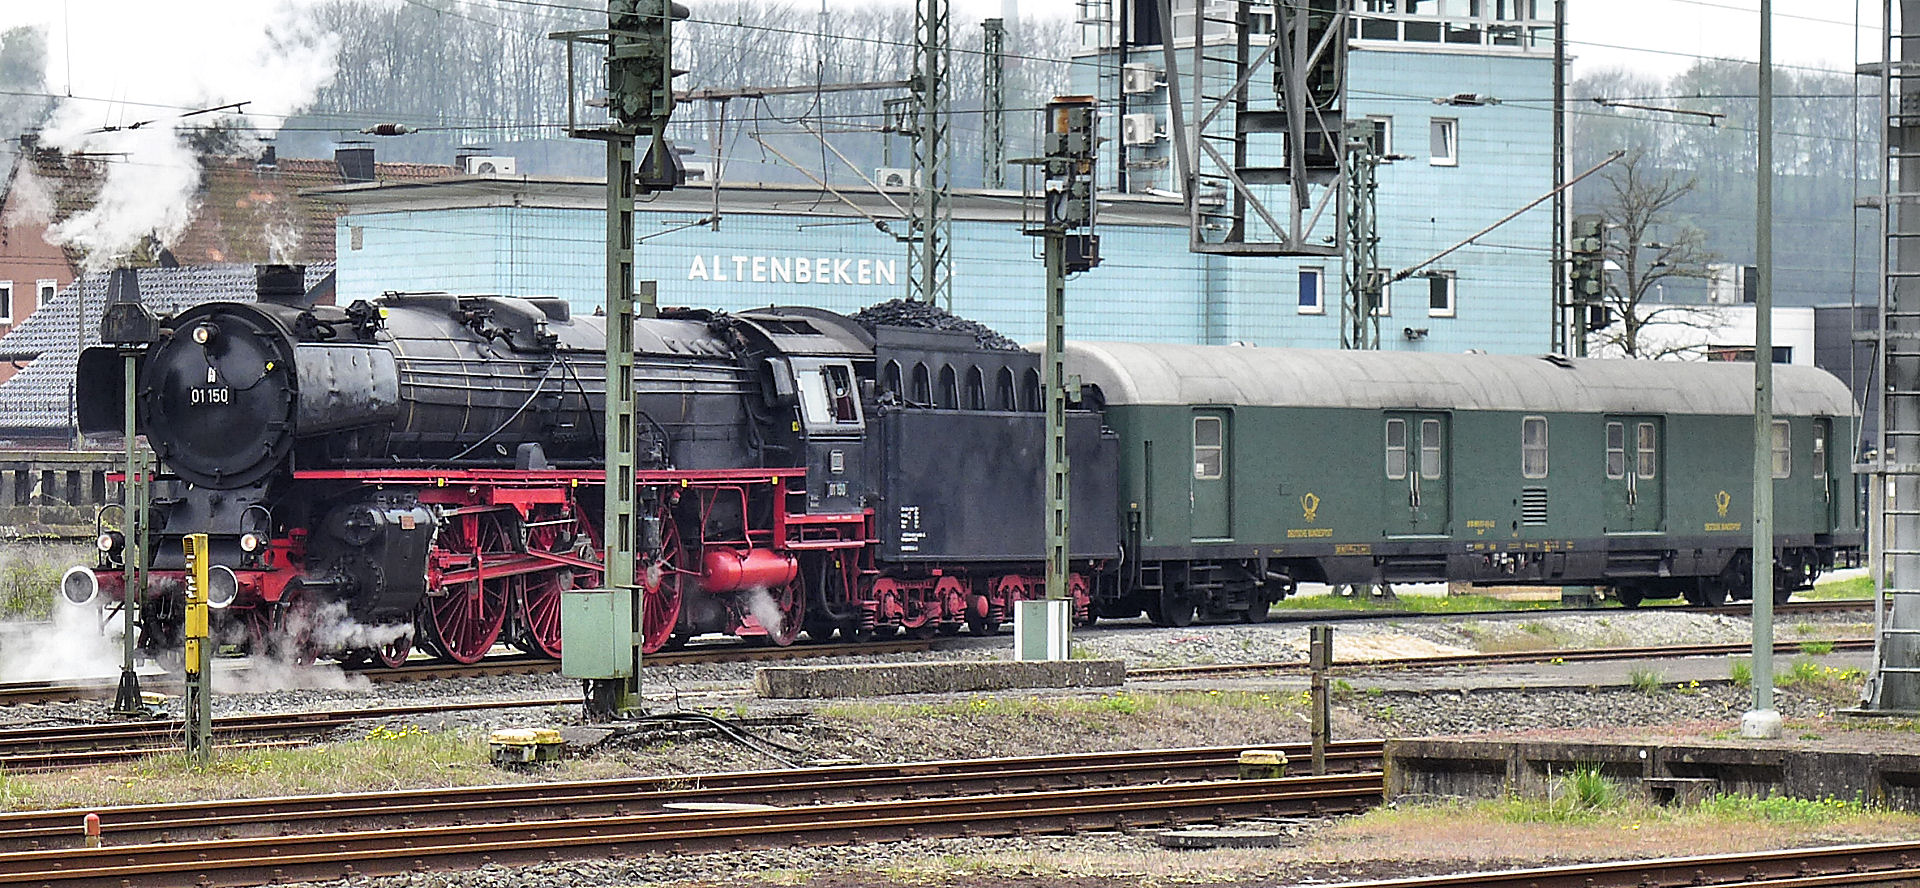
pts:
[827, 396]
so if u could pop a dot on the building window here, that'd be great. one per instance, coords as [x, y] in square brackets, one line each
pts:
[43, 292]
[1382, 133]
[1782, 450]
[1445, 139]
[1533, 447]
[1440, 290]
[6, 302]
[1377, 282]
[1311, 301]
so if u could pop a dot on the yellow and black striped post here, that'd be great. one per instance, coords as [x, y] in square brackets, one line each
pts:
[199, 659]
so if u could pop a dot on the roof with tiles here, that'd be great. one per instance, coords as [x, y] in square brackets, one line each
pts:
[249, 211]
[37, 403]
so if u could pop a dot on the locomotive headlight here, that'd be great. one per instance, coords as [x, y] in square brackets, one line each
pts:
[111, 542]
[204, 333]
[222, 586]
[79, 586]
[250, 542]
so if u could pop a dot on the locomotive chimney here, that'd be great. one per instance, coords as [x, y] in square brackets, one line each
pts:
[282, 285]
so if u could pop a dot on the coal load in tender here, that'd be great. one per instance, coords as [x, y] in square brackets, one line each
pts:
[927, 316]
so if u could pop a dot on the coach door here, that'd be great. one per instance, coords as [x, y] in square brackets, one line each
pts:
[1823, 475]
[1634, 474]
[1212, 475]
[1417, 474]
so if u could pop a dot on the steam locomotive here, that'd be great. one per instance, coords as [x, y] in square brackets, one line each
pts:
[424, 469]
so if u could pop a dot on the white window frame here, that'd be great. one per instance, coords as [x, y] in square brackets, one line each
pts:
[1383, 127]
[1452, 280]
[1319, 306]
[1385, 308]
[1449, 129]
[6, 302]
[1540, 448]
[1782, 450]
[1210, 460]
[43, 291]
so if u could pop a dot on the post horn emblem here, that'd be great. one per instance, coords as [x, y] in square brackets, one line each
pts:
[1720, 501]
[1309, 507]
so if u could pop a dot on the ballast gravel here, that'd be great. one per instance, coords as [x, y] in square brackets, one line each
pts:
[1365, 706]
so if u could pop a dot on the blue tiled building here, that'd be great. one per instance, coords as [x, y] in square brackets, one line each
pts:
[1463, 168]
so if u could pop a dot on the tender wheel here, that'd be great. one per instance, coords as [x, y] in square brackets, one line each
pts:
[982, 626]
[665, 581]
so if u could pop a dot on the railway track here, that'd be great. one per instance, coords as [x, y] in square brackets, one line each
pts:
[1044, 800]
[263, 818]
[1490, 659]
[67, 746]
[1892, 863]
[12, 693]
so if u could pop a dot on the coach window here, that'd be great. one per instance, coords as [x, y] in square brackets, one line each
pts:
[976, 390]
[1396, 449]
[1533, 447]
[1782, 450]
[1647, 444]
[1616, 450]
[1004, 397]
[1207, 448]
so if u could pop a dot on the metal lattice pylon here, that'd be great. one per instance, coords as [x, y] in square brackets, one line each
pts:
[930, 275]
[1894, 510]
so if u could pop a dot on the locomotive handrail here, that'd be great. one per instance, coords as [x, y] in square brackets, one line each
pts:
[548, 477]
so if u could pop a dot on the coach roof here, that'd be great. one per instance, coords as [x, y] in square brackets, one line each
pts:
[1145, 373]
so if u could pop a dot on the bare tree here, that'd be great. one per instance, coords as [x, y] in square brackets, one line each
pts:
[1648, 245]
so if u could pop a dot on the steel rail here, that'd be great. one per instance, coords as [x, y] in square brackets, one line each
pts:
[234, 818]
[1490, 659]
[389, 852]
[1864, 864]
[84, 689]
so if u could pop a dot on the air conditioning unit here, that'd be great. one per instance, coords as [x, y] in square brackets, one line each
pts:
[1139, 129]
[893, 177]
[698, 171]
[1140, 79]
[480, 165]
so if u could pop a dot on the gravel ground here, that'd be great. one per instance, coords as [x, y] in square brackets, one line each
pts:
[1267, 711]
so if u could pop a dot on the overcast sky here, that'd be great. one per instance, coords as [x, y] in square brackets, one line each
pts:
[128, 48]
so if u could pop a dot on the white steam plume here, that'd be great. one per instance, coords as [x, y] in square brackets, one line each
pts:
[765, 610]
[132, 67]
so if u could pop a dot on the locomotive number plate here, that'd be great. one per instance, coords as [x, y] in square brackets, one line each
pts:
[211, 394]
